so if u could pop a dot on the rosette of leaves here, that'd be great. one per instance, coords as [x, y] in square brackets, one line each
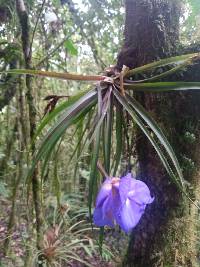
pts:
[107, 104]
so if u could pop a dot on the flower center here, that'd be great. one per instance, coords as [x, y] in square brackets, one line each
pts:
[115, 181]
[115, 185]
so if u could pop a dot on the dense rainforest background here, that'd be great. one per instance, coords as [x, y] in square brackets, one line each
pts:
[44, 217]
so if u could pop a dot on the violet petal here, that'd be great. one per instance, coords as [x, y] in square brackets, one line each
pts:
[104, 192]
[129, 215]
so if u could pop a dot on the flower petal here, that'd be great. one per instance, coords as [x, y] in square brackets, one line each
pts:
[100, 220]
[125, 185]
[129, 215]
[140, 193]
[104, 214]
[108, 206]
[104, 191]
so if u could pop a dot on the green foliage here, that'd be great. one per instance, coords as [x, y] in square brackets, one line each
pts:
[189, 137]
[93, 124]
[101, 128]
[3, 190]
[190, 27]
[195, 6]
[68, 235]
[70, 47]
[178, 60]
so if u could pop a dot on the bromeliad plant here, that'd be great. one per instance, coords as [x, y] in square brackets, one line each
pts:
[107, 105]
[67, 239]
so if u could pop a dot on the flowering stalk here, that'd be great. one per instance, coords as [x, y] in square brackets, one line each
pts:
[102, 170]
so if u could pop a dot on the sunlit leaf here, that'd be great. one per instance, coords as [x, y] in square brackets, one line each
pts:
[57, 75]
[157, 131]
[163, 86]
[82, 140]
[119, 136]
[104, 108]
[101, 236]
[161, 63]
[143, 127]
[164, 73]
[59, 109]
[71, 47]
[72, 114]
[107, 135]
[94, 158]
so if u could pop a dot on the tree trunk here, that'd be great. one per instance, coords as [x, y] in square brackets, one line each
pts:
[165, 235]
[36, 184]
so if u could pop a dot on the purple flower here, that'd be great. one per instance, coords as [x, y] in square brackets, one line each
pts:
[122, 201]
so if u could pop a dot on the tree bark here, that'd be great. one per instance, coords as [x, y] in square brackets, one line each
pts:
[8, 86]
[36, 184]
[165, 234]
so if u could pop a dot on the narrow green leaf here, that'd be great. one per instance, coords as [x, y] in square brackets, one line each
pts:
[47, 157]
[157, 131]
[101, 235]
[162, 62]
[108, 134]
[163, 86]
[79, 132]
[51, 116]
[104, 108]
[143, 127]
[56, 180]
[164, 74]
[73, 114]
[95, 155]
[93, 171]
[119, 136]
[57, 75]
[160, 153]
[78, 145]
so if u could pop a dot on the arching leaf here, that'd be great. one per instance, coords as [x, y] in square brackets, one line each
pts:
[143, 127]
[70, 116]
[163, 86]
[162, 62]
[157, 131]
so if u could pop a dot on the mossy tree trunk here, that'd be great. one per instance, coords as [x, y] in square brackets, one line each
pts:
[26, 41]
[165, 234]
